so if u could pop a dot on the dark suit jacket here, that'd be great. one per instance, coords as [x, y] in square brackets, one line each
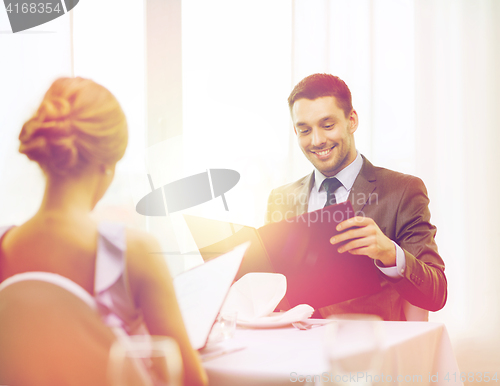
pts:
[398, 203]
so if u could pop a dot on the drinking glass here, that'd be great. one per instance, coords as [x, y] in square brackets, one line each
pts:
[224, 327]
[144, 360]
[354, 349]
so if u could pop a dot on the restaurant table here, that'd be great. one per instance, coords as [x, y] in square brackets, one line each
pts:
[413, 352]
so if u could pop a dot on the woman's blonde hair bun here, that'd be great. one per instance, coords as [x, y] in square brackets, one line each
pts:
[78, 122]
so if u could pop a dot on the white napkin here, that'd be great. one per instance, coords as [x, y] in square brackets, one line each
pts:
[298, 313]
[255, 296]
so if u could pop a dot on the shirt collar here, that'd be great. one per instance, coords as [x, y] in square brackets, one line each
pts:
[346, 176]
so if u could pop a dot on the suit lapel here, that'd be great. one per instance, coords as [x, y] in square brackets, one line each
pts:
[363, 187]
[301, 194]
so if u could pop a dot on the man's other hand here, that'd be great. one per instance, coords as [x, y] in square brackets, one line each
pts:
[365, 238]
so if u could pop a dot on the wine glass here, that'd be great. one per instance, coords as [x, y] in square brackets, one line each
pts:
[354, 349]
[144, 360]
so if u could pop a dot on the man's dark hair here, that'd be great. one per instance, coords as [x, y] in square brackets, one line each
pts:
[321, 85]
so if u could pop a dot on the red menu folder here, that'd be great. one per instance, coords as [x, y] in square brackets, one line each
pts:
[300, 249]
[317, 274]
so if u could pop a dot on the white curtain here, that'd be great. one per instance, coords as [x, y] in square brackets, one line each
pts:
[30, 61]
[368, 44]
[457, 99]
[236, 79]
[90, 43]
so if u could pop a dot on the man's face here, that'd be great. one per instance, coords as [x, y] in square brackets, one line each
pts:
[324, 133]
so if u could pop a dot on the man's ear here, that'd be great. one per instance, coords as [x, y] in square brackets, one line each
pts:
[294, 130]
[353, 120]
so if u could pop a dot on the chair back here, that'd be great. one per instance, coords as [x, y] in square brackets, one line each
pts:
[414, 313]
[51, 333]
[145, 360]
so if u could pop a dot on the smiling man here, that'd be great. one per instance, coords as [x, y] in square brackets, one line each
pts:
[392, 223]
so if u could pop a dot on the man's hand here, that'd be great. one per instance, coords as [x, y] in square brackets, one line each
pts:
[366, 238]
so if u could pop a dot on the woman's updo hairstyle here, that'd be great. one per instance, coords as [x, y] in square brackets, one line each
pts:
[78, 122]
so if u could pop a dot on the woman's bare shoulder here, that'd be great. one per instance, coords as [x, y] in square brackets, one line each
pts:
[146, 266]
[141, 242]
[144, 256]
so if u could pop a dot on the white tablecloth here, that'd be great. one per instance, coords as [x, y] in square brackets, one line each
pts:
[414, 352]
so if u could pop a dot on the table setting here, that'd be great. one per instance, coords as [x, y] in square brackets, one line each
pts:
[269, 348]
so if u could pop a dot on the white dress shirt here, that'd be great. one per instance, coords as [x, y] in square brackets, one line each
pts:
[347, 176]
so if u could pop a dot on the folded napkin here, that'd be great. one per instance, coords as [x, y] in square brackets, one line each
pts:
[255, 296]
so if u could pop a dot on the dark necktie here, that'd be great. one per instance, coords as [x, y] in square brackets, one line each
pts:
[331, 185]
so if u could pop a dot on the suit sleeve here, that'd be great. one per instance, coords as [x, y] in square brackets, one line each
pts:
[424, 282]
